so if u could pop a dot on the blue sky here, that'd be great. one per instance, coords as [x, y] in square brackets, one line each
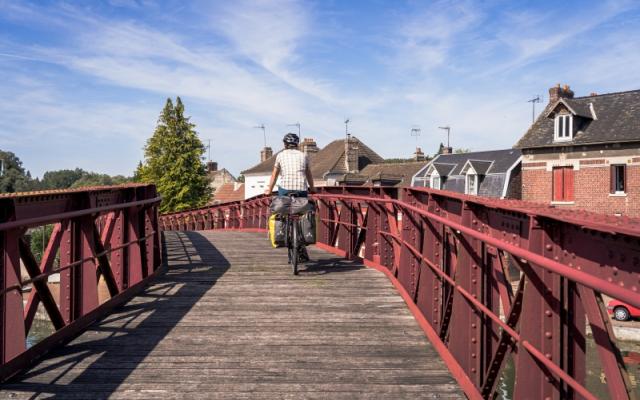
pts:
[82, 83]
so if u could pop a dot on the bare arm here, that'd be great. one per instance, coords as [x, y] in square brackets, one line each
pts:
[307, 172]
[272, 182]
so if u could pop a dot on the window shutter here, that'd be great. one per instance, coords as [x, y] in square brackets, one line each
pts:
[624, 178]
[557, 184]
[568, 184]
[612, 179]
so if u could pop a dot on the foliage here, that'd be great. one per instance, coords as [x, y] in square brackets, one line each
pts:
[95, 179]
[241, 178]
[13, 177]
[173, 161]
[461, 151]
[60, 179]
[39, 240]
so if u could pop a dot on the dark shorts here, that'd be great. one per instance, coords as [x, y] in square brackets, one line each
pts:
[299, 193]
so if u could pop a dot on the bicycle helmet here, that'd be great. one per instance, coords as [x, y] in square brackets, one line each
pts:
[291, 140]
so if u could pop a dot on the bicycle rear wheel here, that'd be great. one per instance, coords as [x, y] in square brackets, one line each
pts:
[294, 247]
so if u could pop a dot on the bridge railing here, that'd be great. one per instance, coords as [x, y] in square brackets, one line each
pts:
[488, 280]
[104, 244]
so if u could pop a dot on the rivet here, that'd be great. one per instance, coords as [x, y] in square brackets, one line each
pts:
[473, 340]
[473, 325]
[549, 247]
[548, 355]
[548, 334]
[548, 313]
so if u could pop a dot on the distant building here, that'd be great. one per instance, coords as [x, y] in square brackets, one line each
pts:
[584, 152]
[328, 166]
[494, 173]
[228, 192]
[218, 177]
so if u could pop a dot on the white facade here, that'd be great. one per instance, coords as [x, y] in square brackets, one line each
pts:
[255, 184]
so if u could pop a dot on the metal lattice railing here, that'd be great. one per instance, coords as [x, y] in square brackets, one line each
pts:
[101, 236]
[488, 280]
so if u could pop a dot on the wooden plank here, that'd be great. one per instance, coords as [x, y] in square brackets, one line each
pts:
[229, 321]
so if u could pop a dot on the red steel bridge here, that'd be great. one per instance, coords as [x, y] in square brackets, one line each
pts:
[460, 291]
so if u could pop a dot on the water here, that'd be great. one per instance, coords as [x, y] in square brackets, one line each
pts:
[40, 329]
[595, 375]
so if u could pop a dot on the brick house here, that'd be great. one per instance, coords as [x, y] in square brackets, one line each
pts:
[493, 173]
[584, 152]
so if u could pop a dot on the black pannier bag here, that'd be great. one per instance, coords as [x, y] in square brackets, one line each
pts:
[308, 227]
[279, 233]
[299, 205]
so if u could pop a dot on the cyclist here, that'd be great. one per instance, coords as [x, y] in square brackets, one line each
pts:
[295, 174]
[293, 167]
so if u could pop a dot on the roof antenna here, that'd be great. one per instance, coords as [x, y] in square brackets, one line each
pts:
[448, 129]
[263, 133]
[346, 127]
[415, 131]
[533, 102]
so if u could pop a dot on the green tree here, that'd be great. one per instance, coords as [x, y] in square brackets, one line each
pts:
[96, 179]
[13, 177]
[173, 161]
[461, 151]
[61, 179]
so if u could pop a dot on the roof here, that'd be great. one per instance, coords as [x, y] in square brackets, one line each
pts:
[264, 167]
[617, 119]
[399, 174]
[481, 167]
[331, 159]
[484, 162]
[228, 192]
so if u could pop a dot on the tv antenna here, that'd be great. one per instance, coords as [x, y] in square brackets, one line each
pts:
[448, 129]
[208, 147]
[415, 131]
[264, 134]
[346, 126]
[533, 102]
[298, 125]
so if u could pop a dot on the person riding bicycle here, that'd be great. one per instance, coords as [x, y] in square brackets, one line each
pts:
[293, 167]
[295, 174]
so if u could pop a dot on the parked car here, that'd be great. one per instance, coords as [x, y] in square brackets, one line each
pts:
[622, 311]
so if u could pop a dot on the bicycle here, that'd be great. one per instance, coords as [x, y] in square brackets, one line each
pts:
[295, 246]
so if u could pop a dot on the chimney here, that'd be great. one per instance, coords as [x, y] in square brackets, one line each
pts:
[309, 145]
[447, 150]
[212, 166]
[556, 93]
[418, 155]
[351, 154]
[265, 154]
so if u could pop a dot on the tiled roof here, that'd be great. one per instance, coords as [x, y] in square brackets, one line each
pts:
[399, 174]
[330, 159]
[491, 162]
[228, 192]
[617, 119]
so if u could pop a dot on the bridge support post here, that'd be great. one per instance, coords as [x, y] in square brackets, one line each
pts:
[12, 333]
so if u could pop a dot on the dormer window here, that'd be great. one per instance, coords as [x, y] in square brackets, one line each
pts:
[563, 128]
[435, 181]
[471, 186]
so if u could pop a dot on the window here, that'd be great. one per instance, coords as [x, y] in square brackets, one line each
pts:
[563, 184]
[563, 128]
[436, 183]
[472, 184]
[618, 179]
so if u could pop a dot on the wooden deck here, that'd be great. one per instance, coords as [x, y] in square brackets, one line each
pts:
[229, 321]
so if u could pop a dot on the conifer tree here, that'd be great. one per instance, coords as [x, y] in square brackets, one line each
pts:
[173, 161]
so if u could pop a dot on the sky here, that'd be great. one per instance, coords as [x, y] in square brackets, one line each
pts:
[82, 83]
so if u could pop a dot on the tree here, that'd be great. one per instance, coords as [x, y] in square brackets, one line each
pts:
[461, 151]
[61, 179]
[173, 161]
[13, 177]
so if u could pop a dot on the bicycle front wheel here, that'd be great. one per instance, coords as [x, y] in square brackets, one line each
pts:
[294, 247]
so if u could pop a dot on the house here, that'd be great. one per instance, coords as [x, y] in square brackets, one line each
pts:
[395, 172]
[228, 192]
[584, 152]
[218, 177]
[329, 166]
[494, 173]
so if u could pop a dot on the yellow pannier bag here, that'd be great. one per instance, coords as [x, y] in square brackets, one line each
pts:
[272, 230]
[276, 230]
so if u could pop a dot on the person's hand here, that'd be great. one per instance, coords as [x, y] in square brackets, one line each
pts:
[267, 192]
[311, 190]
